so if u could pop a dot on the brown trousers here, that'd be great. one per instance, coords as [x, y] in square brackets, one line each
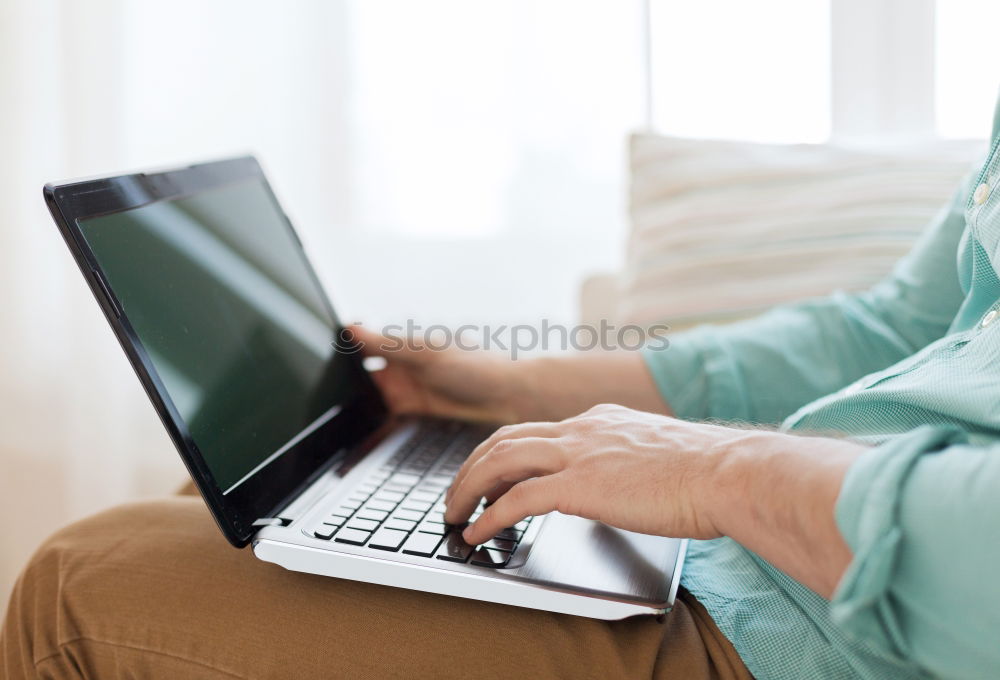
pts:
[152, 590]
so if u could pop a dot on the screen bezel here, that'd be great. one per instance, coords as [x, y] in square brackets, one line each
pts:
[268, 491]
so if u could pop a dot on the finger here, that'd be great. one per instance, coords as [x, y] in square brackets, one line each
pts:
[397, 391]
[510, 461]
[499, 490]
[537, 496]
[390, 347]
[504, 433]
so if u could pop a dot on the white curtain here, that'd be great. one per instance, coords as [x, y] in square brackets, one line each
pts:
[444, 160]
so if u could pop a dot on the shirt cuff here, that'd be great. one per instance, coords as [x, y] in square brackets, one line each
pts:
[867, 514]
[697, 378]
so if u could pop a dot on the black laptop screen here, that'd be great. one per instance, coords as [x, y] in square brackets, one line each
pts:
[217, 290]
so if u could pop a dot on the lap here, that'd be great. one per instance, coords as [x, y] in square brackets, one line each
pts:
[153, 590]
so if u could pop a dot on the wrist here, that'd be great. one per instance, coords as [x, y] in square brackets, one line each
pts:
[775, 494]
[525, 378]
[734, 466]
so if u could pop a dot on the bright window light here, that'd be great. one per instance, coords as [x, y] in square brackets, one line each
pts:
[744, 70]
[473, 119]
[968, 73]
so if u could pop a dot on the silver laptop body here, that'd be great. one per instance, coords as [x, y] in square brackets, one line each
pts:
[561, 563]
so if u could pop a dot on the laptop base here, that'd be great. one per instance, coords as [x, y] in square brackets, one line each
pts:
[562, 564]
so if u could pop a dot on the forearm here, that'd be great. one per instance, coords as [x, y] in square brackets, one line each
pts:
[555, 387]
[775, 494]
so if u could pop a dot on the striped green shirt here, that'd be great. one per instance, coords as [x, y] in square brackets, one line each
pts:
[912, 366]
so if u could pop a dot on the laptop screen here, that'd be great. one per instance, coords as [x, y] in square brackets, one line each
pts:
[217, 289]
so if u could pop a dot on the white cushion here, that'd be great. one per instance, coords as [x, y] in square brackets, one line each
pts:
[724, 229]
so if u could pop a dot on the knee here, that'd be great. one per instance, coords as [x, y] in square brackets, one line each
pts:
[92, 581]
[79, 579]
[102, 545]
[77, 548]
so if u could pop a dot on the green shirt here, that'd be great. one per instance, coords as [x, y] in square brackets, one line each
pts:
[913, 367]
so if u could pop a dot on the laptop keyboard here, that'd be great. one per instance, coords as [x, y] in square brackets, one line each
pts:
[400, 507]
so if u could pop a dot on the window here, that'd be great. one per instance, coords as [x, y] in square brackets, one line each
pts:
[966, 70]
[748, 70]
[473, 119]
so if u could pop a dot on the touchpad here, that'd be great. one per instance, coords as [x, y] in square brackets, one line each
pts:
[576, 552]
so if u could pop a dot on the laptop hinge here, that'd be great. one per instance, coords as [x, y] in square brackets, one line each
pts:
[272, 522]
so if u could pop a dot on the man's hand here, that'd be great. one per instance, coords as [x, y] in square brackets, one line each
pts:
[629, 469]
[653, 474]
[486, 386]
[450, 383]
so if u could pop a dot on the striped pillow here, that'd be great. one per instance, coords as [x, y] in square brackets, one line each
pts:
[724, 229]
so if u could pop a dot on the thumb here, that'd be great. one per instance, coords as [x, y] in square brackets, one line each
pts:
[390, 347]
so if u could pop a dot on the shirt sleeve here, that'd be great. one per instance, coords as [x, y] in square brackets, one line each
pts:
[762, 370]
[921, 516]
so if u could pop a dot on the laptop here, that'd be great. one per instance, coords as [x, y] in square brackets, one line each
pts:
[209, 291]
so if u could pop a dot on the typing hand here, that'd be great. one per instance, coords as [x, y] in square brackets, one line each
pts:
[629, 469]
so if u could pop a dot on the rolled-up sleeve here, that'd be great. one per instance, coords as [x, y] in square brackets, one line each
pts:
[921, 514]
[764, 369]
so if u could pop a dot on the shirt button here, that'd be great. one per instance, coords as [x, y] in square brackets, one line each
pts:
[989, 318]
[981, 194]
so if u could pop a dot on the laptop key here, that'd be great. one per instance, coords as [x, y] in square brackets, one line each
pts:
[387, 539]
[418, 506]
[433, 528]
[324, 531]
[400, 524]
[353, 536]
[429, 498]
[368, 513]
[454, 549]
[487, 557]
[500, 544]
[404, 479]
[376, 504]
[420, 544]
[408, 514]
[509, 534]
[363, 524]
[390, 496]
